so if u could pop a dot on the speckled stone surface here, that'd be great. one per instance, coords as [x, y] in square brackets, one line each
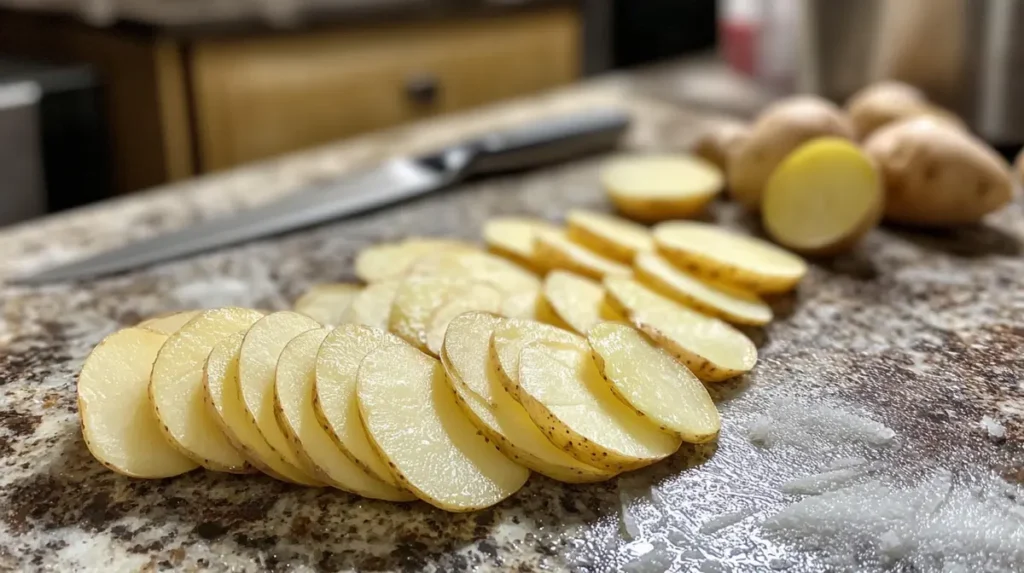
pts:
[922, 332]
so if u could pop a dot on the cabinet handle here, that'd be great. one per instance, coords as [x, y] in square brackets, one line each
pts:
[422, 89]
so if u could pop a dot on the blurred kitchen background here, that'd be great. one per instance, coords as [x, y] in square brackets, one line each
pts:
[105, 97]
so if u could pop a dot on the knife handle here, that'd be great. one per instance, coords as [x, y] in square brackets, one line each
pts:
[549, 142]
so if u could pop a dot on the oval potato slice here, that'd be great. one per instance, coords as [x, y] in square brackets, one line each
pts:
[293, 400]
[512, 238]
[721, 301]
[654, 383]
[654, 188]
[709, 347]
[169, 323]
[118, 425]
[385, 261]
[613, 237]
[519, 287]
[577, 302]
[372, 306]
[555, 251]
[508, 340]
[480, 297]
[416, 300]
[465, 357]
[720, 255]
[430, 445]
[327, 303]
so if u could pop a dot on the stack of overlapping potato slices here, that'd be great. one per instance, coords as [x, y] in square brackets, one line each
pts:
[453, 372]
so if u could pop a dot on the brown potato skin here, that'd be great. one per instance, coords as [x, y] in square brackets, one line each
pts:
[781, 128]
[1020, 165]
[717, 143]
[884, 103]
[936, 175]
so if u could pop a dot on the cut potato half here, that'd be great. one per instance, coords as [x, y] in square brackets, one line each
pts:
[721, 301]
[480, 297]
[118, 424]
[519, 287]
[257, 365]
[170, 323]
[508, 340]
[293, 398]
[327, 303]
[337, 364]
[659, 187]
[430, 445]
[392, 260]
[654, 383]
[577, 302]
[176, 388]
[555, 251]
[465, 357]
[512, 238]
[418, 298]
[720, 255]
[822, 198]
[372, 306]
[563, 392]
[709, 347]
[613, 237]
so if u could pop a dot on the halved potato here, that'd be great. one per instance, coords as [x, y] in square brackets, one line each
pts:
[658, 187]
[507, 341]
[466, 360]
[293, 399]
[257, 365]
[519, 287]
[512, 238]
[118, 424]
[654, 383]
[479, 297]
[176, 388]
[563, 392]
[577, 302]
[555, 251]
[709, 347]
[372, 306]
[168, 323]
[430, 445]
[721, 301]
[392, 260]
[417, 299]
[327, 303]
[612, 236]
[337, 364]
[720, 255]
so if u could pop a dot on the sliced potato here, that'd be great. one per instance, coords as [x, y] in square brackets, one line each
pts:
[719, 255]
[512, 238]
[654, 383]
[176, 388]
[337, 364]
[659, 187]
[466, 360]
[327, 303]
[563, 392]
[392, 260]
[418, 298]
[519, 287]
[168, 323]
[480, 297]
[118, 424]
[709, 347]
[547, 315]
[293, 398]
[577, 302]
[507, 341]
[612, 236]
[430, 445]
[372, 306]
[721, 301]
[257, 365]
[555, 251]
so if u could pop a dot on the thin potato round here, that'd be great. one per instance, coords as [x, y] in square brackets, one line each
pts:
[577, 302]
[719, 255]
[431, 447]
[508, 340]
[169, 323]
[418, 298]
[372, 306]
[655, 188]
[327, 303]
[558, 252]
[392, 260]
[512, 238]
[480, 297]
[520, 288]
[612, 236]
[710, 348]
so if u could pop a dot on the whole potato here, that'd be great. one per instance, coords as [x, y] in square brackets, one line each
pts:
[881, 104]
[937, 175]
[716, 143]
[780, 129]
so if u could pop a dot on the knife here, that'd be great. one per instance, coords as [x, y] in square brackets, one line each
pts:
[394, 181]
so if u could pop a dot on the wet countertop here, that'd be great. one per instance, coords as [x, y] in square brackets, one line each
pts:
[893, 368]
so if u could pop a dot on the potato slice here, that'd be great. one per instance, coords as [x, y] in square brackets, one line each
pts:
[465, 357]
[257, 365]
[327, 303]
[519, 287]
[430, 445]
[168, 323]
[720, 301]
[337, 364]
[719, 255]
[293, 400]
[512, 238]
[654, 383]
[822, 198]
[555, 251]
[419, 297]
[392, 260]
[479, 297]
[577, 302]
[507, 341]
[176, 388]
[613, 237]
[659, 187]
[709, 347]
[562, 390]
[118, 424]
[372, 306]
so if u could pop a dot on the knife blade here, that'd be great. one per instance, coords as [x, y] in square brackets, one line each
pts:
[392, 182]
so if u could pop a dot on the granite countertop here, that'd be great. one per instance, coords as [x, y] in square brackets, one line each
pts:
[901, 361]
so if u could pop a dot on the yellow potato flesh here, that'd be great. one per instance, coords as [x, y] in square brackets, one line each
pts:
[327, 303]
[577, 301]
[372, 306]
[413, 419]
[518, 286]
[169, 324]
[612, 236]
[417, 299]
[512, 237]
[508, 340]
[654, 383]
[660, 187]
[118, 424]
[392, 260]
[557, 252]
[480, 298]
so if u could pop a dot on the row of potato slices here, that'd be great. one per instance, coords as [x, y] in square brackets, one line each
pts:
[360, 409]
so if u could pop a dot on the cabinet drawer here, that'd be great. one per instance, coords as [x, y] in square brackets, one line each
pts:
[258, 97]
